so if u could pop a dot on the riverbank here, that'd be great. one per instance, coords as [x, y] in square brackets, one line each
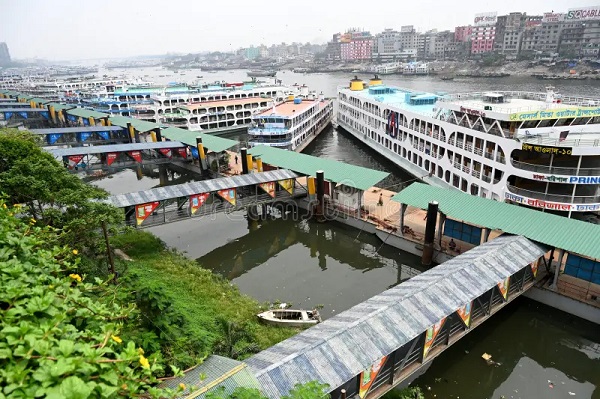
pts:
[192, 311]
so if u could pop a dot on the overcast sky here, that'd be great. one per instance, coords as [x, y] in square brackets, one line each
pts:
[84, 29]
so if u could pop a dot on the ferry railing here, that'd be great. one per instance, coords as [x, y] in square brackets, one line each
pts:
[554, 197]
[566, 142]
[559, 170]
[565, 100]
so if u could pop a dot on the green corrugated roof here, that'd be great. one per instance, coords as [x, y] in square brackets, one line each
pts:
[218, 372]
[138, 124]
[572, 235]
[213, 143]
[38, 100]
[86, 113]
[335, 171]
[24, 97]
[60, 107]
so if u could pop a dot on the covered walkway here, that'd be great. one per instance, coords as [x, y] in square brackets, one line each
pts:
[82, 135]
[173, 203]
[395, 333]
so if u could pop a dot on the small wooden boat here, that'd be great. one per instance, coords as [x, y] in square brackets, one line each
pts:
[290, 317]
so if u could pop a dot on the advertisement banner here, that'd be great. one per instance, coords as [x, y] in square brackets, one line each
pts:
[430, 335]
[503, 287]
[534, 268]
[572, 112]
[196, 201]
[166, 152]
[144, 210]
[136, 155]
[553, 17]
[53, 138]
[287, 185]
[486, 18]
[465, 314]
[228, 195]
[368, 376]
[110, 158]
[269, 188]
[182, 152]
[583, 14]
[74, 160]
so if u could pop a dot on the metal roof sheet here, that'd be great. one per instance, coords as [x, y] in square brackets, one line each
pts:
[335, 171]
[138, 124]
[213, 143]
[572, 235]
[102, 149]
[61, 107]
[79, 129]
[86, 113]
[39, 100]
[205, 186]
[218, 372]
[334, 351]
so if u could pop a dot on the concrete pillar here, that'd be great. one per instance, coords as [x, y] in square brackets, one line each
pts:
[312, 187]
[52, 112]
[244, 152]
[250, 163]
[163, 177]
[320, 193]
[561, 254]
[138, 172]
[92, 121]
[158, 134]
[402, 213]
[153, 135]
[102, 122]
[432, 211]
[259, 165]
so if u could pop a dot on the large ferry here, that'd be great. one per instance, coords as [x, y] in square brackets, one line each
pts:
[540, 150]
[293, 124]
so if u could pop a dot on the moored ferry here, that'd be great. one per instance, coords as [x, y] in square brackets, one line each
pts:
[540, 150]
[293, 124]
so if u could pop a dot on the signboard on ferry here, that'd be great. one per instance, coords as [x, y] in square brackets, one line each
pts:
[583, 14]
[566, 179]
[574, 112]
[556, 206]
[546, 149]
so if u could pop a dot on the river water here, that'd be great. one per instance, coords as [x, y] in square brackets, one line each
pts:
[542, 353]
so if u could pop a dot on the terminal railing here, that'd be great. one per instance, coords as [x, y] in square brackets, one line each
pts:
[564, 143]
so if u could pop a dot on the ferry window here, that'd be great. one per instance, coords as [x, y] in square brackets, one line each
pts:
[440, 172]
[455, 180]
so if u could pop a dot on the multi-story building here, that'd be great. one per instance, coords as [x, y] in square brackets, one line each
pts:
[356, 46]
[4, 54]
[462, 34]
[408, 38]
[591, 39]
[483, 33]
[443, 45]
[509, 29]
[544, 38]
[252, 53]
[333, 50]
[386, 46]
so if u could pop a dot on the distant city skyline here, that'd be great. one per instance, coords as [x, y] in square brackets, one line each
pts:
[72, 29]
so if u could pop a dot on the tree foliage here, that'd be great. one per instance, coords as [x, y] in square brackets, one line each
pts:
[310, 390]
[60, 335]
[50, 194]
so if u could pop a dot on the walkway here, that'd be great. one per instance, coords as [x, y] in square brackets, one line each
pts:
[173, 203]
[400, 330]
[82, 135]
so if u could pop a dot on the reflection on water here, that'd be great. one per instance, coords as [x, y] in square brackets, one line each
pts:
[541, 353]
[307, 264]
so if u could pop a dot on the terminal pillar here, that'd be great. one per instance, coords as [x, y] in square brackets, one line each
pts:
[162, 175]
[320, 194]
[158, 135]
[52, 112]
[138, 172]
[312, 190]
[131, 132]
[561, 255]
[201, 154]
[250, 163]
[244, 160]
[259, 165]
[102, 122]
[432, 211]
[92, 121]
[108, 122]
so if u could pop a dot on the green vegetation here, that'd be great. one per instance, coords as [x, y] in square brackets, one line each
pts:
[159, 302]
[311, 390]
[61, 335]
[192, 311]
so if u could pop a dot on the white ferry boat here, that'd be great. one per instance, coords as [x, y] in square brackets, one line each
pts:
[540, 150]
[293, 124]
